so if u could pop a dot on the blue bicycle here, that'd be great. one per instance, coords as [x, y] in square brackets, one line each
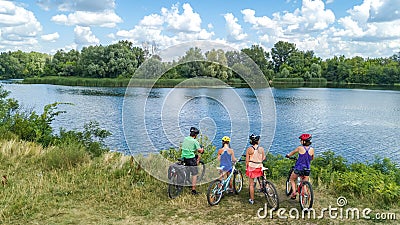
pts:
[218, 187]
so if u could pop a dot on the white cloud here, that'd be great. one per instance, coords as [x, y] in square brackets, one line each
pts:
[329, 1]
[77, 5]
[235, 31]
[18, 26]
[257, 22]
[351, 28]
[84, 36]
[50, 37]
[170, 27]
[360, 13]
[201, 35]
[111, 35]
[384, 11]
[311, 17]
[153, 20]
[315, 15]
[140, 34]
[188, 21]
[83, 18]
[293, 26]
[362, 26]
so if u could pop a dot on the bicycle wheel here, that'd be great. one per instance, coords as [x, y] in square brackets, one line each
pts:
[214, 192]
[306, 196]
[237, 181]
[288, 184]
[202, 170]
[174, 189]
[271, 194]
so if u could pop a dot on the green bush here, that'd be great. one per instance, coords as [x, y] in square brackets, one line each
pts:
[330, 161]
[34, 127]
[92, 138]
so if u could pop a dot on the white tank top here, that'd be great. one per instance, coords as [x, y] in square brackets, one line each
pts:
[256, 159]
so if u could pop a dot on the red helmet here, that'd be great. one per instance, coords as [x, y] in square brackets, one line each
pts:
[305, 137]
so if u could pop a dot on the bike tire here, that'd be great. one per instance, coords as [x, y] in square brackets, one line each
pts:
[289, 190]
[214, 192]
[270, 194]
[237, 181]
[174, 189]
[306, 196]
[202, 170]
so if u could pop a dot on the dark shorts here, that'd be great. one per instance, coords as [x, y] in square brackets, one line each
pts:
[304, 172]
[191, 165]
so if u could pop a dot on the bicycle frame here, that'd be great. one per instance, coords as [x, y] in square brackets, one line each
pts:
[217, 187]
[269, 190]
[300, 183]
[226, 182]
[302, 186]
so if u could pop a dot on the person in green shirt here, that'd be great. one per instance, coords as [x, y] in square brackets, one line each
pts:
[189, 147]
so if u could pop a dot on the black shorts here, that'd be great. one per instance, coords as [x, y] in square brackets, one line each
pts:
[191, 165]
[304, 172]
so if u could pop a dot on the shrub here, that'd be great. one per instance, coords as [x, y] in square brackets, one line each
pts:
[34, 127]
[91, 138]
[330, 161]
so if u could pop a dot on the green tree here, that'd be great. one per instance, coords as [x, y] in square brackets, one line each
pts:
[192, 64]
[260, 57]
[281, 52]
[11, 65]
[63, 64]
[150, 69]
[122, 59]
[219, 66]
[315, 70]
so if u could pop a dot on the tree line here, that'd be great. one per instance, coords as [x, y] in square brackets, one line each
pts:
[122, 60]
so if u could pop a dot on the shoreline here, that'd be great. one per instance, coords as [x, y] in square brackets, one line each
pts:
[173, 83]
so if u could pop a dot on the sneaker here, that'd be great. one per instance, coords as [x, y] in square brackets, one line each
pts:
[194, 192]
[229, 190]
[251, 201]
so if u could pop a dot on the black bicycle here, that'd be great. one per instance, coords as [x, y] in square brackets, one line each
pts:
[179, 177]
[304, 188]
[268, 188]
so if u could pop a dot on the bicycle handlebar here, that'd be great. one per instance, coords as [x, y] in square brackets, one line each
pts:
[292, 157]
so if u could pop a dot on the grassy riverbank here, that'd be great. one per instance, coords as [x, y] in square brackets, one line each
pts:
[194, 83]
[197, 82]
[113, 189]
[124, 82]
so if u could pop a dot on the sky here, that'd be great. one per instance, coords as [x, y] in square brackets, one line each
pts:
[366, 28]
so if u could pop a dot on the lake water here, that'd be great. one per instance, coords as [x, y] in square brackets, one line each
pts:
[355, 123]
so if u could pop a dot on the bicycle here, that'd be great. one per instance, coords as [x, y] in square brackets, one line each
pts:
[268, 188]
[179, 177]
[304, 188]
[218, 187]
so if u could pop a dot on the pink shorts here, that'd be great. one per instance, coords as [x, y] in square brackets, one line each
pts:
[254, 172]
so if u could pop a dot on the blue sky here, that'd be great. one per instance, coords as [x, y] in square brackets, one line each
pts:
[367, 28]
